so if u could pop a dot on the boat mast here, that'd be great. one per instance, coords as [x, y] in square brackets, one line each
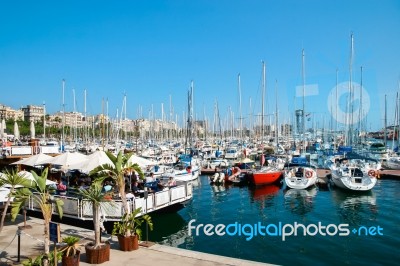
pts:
[385, 123]
[240, 109]
[351, 94]
[76, 120]
[63, 118]
[102, 123]
[398, 117]
[337, 103]
[276, 115]
[360, 115]
[262, 102]
[44, 121]
[188, 141]
[304, 94]
[84, 111]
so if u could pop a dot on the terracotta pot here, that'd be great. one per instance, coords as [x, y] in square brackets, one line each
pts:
[98, 255]
[128, 243]
[71, 260]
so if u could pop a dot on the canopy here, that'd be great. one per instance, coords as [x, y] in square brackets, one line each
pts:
[29, 176]
[93, 160]
[142, 162]
[2, 128]
[37, 159]
[4, 194]
[32, 130]
[67, 160]
[16, 130]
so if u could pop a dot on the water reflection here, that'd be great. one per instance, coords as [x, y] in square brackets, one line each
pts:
[300, 201]
[355, 208]
[264, 193]
[170, 229]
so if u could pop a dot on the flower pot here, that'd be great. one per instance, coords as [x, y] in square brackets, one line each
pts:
[128, 243]
[97, 255]
[71, 260]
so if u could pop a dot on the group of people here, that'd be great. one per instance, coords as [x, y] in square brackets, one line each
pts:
[134, 186]
[170, 183]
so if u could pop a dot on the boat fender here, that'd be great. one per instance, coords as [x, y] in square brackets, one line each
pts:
[308, 174]
[371, 173]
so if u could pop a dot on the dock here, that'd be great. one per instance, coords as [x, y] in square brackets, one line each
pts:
[389, 174]
[31, 241]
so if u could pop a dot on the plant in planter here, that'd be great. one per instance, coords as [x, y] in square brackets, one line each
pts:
[40, 194]
[40, 260]
[128, 229]
[71, 252]
[120, 167]
[96, 252]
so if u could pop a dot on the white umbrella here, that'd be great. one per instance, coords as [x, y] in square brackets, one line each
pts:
[93, 160]
[29, 176]
[67, 160]
[32, 130]
[142, 162]
[37, 159]
[16, 130]
[4, 192]
[2, 128]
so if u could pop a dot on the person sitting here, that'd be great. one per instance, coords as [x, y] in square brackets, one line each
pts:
[171, 182]
[61, 187]
[82, 186]
[130, 195]
[150, 178]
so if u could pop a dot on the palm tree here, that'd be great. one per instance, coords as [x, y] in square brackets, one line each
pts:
[121, 166]
[14, 181]
[94, 195]
[96, 252]
[40, 193]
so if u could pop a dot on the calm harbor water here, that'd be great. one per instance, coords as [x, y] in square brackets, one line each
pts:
[273, 204]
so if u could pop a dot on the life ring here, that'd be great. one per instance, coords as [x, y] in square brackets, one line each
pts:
[372, 173]
[308, 174]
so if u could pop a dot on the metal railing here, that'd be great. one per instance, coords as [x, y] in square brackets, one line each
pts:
[75, 207]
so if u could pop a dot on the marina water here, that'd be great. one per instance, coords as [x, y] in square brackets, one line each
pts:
[274, 205]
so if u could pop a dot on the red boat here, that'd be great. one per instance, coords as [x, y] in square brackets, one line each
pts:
[267, 176]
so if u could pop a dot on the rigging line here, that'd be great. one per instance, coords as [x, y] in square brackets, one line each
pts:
[1, 251]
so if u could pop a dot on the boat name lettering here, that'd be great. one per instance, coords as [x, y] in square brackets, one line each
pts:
[282, 230]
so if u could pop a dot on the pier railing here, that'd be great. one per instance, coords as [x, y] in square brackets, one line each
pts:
[31, 150]
[112, 211]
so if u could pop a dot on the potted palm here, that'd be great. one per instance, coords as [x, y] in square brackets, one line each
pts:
[96, 252]
[40, 194]
[71, 252]
[128, 229]
[14, 181]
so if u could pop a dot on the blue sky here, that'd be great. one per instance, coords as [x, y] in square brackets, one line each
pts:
[151, 50]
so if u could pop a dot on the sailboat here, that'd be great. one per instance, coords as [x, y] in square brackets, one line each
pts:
[266, 174]
[355, 174]
[300, 174]
[188, 168]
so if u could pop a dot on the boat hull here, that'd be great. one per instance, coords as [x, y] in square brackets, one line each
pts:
[266, 178]
[364, 183]
[301, 182]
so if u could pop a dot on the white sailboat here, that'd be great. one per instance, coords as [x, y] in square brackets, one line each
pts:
[300, 174]
[354, 174]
